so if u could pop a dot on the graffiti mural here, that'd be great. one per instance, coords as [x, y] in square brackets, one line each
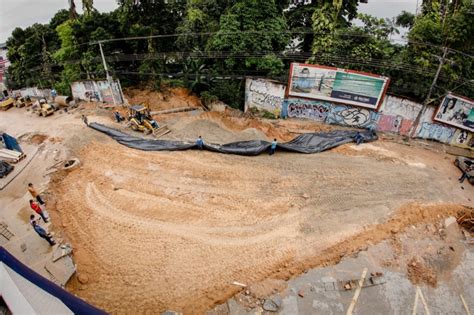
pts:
[434, 131]
[96, 91]
[352, 116]
[397, 115]
[264, 95]
[299, 108]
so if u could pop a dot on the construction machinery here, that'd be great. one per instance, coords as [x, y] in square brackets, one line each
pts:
[140, 120]
[21, 101]
[7, 103]
[43, 108]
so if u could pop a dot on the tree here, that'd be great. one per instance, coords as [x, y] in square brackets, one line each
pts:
[301, 17]
[88, 6]
[248, 27]
[405, 19]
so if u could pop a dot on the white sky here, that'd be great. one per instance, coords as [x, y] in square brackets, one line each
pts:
[23, 13]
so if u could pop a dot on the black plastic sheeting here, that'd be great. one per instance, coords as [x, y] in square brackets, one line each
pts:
[305, 143]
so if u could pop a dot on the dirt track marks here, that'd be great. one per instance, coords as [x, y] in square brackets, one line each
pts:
[174, 229]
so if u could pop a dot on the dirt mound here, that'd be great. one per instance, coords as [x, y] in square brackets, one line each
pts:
[418, 272]
[168, 99]
[198, 221]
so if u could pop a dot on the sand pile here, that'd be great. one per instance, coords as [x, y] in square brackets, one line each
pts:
[194, 222]
[168, 99]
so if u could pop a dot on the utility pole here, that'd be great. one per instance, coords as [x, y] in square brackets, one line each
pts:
[427, 99]
[109, 78]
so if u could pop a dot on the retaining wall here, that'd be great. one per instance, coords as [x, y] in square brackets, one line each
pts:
[395, 115]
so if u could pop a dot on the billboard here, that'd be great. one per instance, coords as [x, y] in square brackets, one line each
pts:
[337, 85]
[456, 111]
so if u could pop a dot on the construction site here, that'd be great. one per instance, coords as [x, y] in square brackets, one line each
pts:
[196, 231]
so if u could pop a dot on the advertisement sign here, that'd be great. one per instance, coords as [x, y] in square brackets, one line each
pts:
[456, 111]
[337, 85]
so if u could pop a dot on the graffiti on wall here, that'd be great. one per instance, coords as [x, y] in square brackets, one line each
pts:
[300, 108]
[96, 91]
[434, 131]
[352, 116]
[264, 95]
[397, 115]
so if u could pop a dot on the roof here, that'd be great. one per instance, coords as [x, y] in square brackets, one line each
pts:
[137, 107]
[26, 292]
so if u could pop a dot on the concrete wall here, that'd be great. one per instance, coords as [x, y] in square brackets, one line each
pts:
[264, 95]
[33, 91]
[100, 90]
[395, 115]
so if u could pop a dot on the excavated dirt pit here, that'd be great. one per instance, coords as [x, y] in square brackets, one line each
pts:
[172, 230]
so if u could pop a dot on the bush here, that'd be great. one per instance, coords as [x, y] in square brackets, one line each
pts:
[208, 98]
[230, 92]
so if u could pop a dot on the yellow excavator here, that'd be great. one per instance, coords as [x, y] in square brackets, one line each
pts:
[140, 120]
[43, 108]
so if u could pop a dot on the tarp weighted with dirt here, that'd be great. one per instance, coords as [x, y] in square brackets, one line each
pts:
[305, 143]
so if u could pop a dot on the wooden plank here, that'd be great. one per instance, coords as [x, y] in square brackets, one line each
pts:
[415, 306]
[427, 311]
[468, 312]
[357, 292]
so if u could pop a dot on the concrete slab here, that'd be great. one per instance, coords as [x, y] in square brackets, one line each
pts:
[62, 270]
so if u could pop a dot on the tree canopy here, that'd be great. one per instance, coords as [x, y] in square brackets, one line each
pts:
[211, 45]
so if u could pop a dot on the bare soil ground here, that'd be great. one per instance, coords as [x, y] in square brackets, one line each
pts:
[172, 230]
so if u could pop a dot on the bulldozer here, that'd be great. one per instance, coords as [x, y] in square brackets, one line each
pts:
[21, 101]
[7, 103]
[43, 108]
[140, 120]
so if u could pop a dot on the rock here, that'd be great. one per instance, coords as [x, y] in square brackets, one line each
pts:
[272, 305]
[301, 293]
[448, 221]
[171, 313]
[305, 196]
[23, 247]
[83, 278]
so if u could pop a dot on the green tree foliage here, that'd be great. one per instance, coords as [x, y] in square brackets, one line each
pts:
[222, 41]
[251, 26]
[301, 16]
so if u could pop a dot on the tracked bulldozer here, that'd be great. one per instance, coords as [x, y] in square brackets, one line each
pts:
[140, 120]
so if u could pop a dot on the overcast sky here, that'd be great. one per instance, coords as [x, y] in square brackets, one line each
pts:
[23, 13]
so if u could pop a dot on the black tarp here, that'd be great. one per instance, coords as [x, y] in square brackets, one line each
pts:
[305, 143]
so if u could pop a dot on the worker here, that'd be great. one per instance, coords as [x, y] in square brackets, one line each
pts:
[42, 232]
[118, 117]
[37, 208]
[35, 194]
[54, 93]
[199, 142]
[359, 138]
[465, 173]
[273, 147]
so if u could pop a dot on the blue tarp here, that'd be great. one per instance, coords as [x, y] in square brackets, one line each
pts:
[11, 143]
[305, 143]
[75, 304]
